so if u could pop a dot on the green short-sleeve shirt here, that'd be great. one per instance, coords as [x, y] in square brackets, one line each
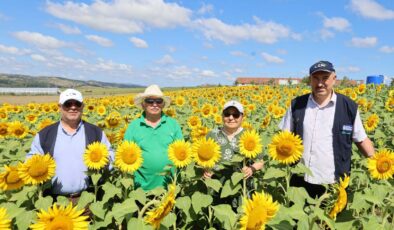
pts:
[154, 143]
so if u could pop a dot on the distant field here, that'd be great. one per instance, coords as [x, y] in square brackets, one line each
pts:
[87, 92]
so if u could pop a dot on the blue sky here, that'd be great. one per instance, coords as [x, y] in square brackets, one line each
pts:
[189, 43]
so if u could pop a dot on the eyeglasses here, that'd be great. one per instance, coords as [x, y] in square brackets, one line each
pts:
[151, 101]
[68, 104]
[228, 114]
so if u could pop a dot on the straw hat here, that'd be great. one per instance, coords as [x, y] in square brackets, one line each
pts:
[151, 91]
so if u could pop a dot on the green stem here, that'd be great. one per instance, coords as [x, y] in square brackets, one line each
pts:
[287, 178]
[244, 181]
[146, 206]
[210, 216]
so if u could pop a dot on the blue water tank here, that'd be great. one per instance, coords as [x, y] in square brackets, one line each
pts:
[375, 79]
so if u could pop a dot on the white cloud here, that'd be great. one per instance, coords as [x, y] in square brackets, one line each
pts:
[171, 49]
[37, 57]
[263, 32]
[122, 16]
[13, 50]
[205, 8]
[371, 9]
[68, 29]
[271, 58]
[139, 43]
[99, 40]
[237, 53]
[208, 73]
[349, 69]
[387, 49]
[40, 40]
[326, 34]
[166, 60]
[208, 45]
[336, 23]
[281, 51]
[364, 42]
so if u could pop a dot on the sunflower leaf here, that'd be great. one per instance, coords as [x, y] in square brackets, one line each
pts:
[274, 173]
[169, 220]
[138, 195]
[119, 211]
[200, 201]
[184, 204]
[213, 183]
[225, 215]
[110, 191]
[229, 189]
[44, 202]
[236, 177]
[85, 199]
[24, 220]
[135, 223]
[97, 209]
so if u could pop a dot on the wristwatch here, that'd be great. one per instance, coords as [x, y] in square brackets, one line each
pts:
[253, 169]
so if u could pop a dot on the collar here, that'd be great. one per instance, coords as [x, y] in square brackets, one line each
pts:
[163, 118]
[78, 127]
[332, 101]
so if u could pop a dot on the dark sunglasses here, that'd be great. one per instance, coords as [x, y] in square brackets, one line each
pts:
[68, 104]
[228, 114]
[151, 101]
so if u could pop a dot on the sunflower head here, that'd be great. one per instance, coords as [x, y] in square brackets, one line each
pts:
[96, 156]
[180, 153]
[10, 179]
[371, 122]
[250, 144]
[5, 221]
[17, 129]
[128, 157]
[286, 147]
[61, 217]
[258, 211]
[206, 152]
[381, 165]
[37, 169]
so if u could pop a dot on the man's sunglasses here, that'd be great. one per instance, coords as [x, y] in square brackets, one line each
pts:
[151, 101]
[68, 104]
[228, 114]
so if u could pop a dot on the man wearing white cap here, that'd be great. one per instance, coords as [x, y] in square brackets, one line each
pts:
[153, 132]
[66, 142]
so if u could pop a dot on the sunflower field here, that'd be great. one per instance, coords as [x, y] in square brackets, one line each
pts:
[362, 200]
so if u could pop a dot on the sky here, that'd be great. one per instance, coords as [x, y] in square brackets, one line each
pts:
[192, 42]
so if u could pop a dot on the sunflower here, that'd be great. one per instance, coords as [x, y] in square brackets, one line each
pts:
[206, 110]
[5, 222]
[217, 118]
[37, 169]
[3, 129]
[44, 123]
[156, 215]
[278, 112]
[101, 110]
[180, 101]
[3, 114]
[381, 165]
[46, 108]
[286, 147]
[194, 121]
[341, 200]
[250, 144]
[17, 129]
[206, 152]
[113, 120]
[247, 125]
[128, 157]
[371, 123]
[121, 133]
[266, 121]
[31, 118]
[61, 217]
[361, 88]
[180, 153]
[199, 132]
[96, 156]
[170, 112]
[389, 105]
[10, 179]
[258, 211]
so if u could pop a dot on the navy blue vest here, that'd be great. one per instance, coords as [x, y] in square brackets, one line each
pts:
[345, 114]
[48, 136]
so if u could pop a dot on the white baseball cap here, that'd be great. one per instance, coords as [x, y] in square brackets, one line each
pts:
[235, 104]
[70, 94]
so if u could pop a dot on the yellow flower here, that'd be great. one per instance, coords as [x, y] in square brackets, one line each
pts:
[180, 153]
[61, 217]
[206, 110]
[206, 152]
[381, 165]
[258, 211]
[101, 110]
[389, 105]
[199, 132]
[250, 144]
[96, 155]
[170, 112]
[156, 215]
[90, 108]
[361, 88]
[113, 120]
[286, 147]
[17, 129]
[3, 114]
[44, 123]
[31, 118]
[371, 123]
[3, 129]
[194, 121]
[179, 101]
[128, 157]
[266, 121]
[278, 112]
[341, 200]
[5, 222]
[10, 179]
[247, 125]
[218, 119]
[37, 169]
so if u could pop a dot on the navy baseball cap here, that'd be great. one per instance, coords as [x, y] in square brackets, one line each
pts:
[324, 66]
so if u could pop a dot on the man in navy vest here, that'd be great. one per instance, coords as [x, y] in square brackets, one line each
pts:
[66, 142]
[328, 123]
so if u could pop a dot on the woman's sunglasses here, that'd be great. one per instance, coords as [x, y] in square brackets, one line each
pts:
[151, 101]
[68, 104]
[228, 114]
